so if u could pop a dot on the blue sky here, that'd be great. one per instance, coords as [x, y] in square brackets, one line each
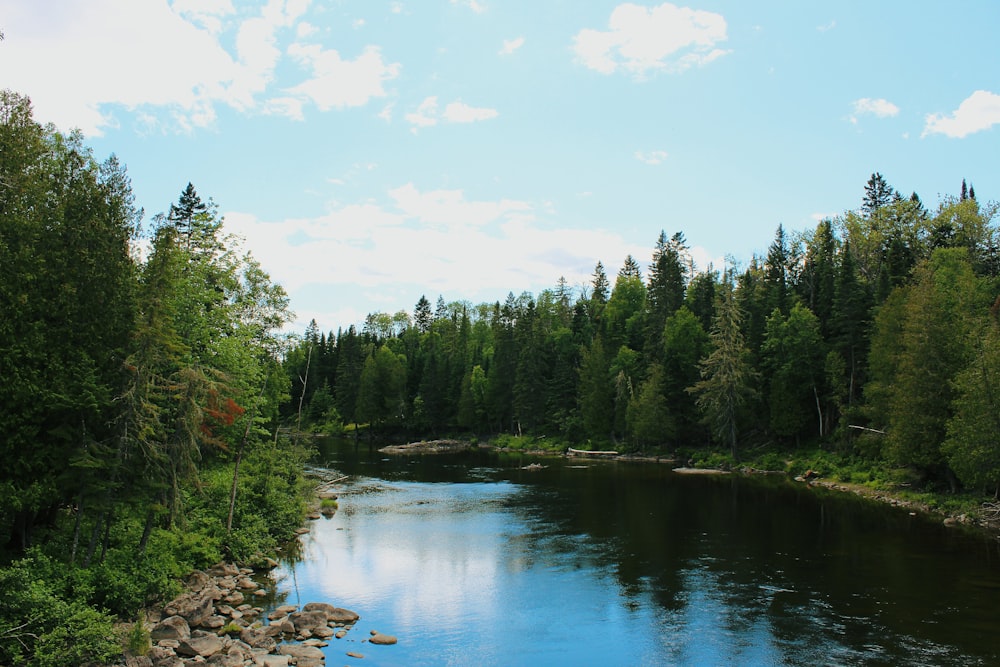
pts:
[371, 152]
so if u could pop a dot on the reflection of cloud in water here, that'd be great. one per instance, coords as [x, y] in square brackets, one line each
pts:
[422, 551]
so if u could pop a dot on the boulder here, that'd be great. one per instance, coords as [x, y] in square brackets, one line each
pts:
[339, 615]
[270, 660]
[193, 607]
[203, 646]
[300, 652]
[246, 583]
[172, 627]
[224, 570]
[258, 638]
[234, 598]
[214, 622]
[309, 620]
[225, 660]
[197, 580]
[319, 606]
[383, 640]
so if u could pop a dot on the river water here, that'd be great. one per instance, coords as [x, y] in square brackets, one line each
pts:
[471, 560]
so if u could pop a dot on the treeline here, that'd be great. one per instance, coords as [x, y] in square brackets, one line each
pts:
[874, 334]
[141, 380]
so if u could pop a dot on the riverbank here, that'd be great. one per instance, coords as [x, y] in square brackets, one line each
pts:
[817, 468]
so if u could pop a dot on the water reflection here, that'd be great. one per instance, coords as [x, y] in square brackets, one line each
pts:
[474, 560]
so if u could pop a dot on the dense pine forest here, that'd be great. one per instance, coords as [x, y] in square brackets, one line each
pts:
[141, 381]
[873, 336]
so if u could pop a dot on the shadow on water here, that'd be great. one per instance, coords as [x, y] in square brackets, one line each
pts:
[634, 564]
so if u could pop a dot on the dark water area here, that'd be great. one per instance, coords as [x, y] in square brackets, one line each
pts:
[471, 560]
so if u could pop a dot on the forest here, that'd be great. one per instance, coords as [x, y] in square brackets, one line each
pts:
[142, 378]
[873, 336]
[153, 401]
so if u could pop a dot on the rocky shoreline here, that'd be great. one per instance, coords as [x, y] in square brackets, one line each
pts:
[215, 623]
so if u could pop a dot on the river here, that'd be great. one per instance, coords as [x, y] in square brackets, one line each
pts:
[472, 560]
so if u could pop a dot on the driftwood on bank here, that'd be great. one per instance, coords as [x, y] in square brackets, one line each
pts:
[586, 452]
[428, 447]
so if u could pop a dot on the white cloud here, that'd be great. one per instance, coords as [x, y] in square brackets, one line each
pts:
[828, 27]
[880, 108]
[175, 62]
[425, 115]
[415, 241]
[449, 207]
[651, 157]
[511, 45]
[339, 83]
[428, 115]
[459, 112]
[474, 5]
[642, 40]
[63, 61]
[978, 112]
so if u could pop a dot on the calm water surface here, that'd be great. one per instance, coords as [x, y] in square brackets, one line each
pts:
[470, 560]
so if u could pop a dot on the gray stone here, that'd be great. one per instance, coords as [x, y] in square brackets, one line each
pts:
[214, 622]
[383, 640]
[309, 620]
[270, 660]
[224, 569]
[225, 660]
[339, 615]
[194, 607]
[203, 646]
[300, 652]
[172, 627]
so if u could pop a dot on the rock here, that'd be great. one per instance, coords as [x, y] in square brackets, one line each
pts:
[197, 581]
[226, 660]
[318, 643]
[170, 644]
[234, 598]
[309, 620]
[276, 614]
[313, 516]
[324, 632]
[299, 652]
[353, 654]
[172, 627]
[138, 661]
[163, 657]
[339, 615]
[258, 638]
[319, 606]
[224, 570]
[214, 622]
[341, 634]
[287, 608]
[382, 640]
[246, 584]
[270, 661]
[193, 607]
[269, 563]
[203, 646]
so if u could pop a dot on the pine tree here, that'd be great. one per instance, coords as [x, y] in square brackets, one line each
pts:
[727, 378]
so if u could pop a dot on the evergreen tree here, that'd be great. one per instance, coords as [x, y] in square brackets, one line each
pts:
[422, 317]
[878, 193]
[727, 378]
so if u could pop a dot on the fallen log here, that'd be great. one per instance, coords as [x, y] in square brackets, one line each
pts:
[588, 452]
